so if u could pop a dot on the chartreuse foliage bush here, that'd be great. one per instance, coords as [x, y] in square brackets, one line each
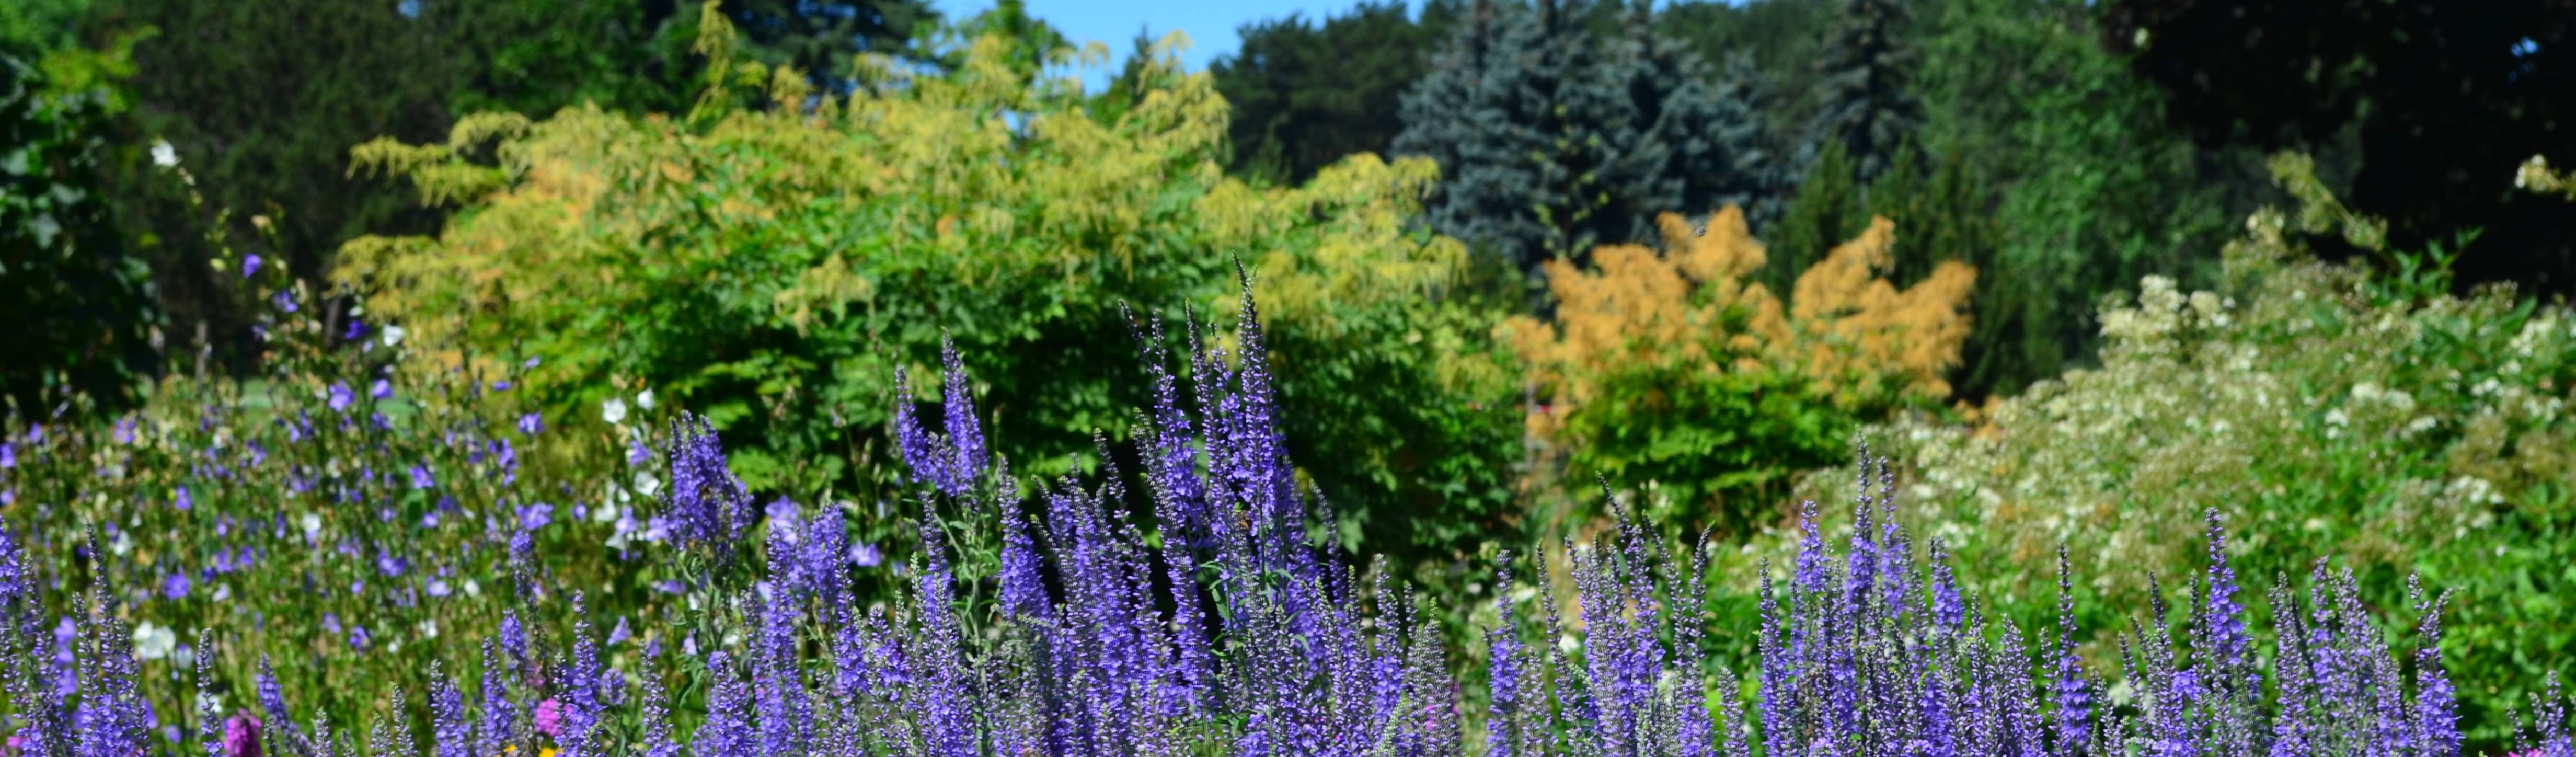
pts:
[776, 267]
[2326, 410]
[1676, 368]
[1192, 614]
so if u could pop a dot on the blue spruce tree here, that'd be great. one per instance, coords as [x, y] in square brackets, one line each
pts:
[1570, 125]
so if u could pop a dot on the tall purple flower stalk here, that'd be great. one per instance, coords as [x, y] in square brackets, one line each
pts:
[707, 507]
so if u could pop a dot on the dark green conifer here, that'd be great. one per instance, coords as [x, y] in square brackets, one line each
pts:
[1865, 100]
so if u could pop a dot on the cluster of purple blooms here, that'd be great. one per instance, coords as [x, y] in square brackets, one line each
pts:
[1210, 624]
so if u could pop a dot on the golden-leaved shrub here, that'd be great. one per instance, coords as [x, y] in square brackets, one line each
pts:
[1658, 366]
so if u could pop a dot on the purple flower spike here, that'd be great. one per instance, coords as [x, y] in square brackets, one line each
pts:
[965, 433]
[919, 454]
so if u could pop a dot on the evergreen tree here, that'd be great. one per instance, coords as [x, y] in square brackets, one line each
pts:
[1778, 39]
[1826, 211]
[1585, 121]
[534, 57]
[1468, 116]
[1306, 95]
[1744, 101]
[1864, 97]
[1690, 151]
[820, 37]
[1554, 139]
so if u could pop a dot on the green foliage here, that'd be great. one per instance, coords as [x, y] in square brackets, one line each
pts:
[2435, 101]
[1864, 89]
[1033, 43]
[1708, 450]
[1778, 42]
[64, 269]
[2326, 410]
[2093, 191]
[1827, 208]
[776, 266]
[538, 56]
[35, 27]
[822, 37]
[1305, 95]
[263, 127]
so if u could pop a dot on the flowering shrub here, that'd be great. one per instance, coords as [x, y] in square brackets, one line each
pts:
[1197, 617]
[2325, 409]
[1678, 368]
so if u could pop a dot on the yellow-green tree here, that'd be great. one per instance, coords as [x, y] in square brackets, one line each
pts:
[773, 266]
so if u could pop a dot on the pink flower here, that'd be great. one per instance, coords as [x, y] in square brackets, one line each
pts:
[241, 735]
[550, 719]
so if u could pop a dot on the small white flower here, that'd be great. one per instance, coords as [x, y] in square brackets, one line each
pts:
[613, 411]
[428, 628]
[473, 589]
[163, 154]
[312, 523]
[646, 484]
[645, 399]
[153, 642]
[393, 335]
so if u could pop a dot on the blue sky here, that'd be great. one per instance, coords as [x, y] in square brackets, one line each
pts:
[1209, 23]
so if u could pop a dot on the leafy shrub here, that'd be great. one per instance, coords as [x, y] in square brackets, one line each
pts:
[776, 267]
[64, 269]
[1675, 368]
[2326, 410]
[1213, 625]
